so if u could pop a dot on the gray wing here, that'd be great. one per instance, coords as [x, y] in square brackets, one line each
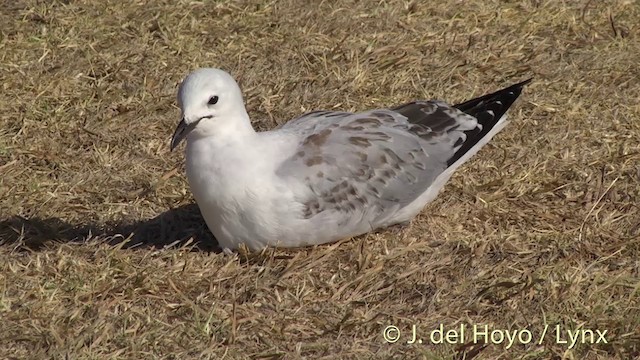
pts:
[372, 163]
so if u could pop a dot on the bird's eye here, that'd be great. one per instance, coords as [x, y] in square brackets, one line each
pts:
[213, 100]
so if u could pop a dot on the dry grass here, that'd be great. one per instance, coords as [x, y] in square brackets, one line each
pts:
[542, 227]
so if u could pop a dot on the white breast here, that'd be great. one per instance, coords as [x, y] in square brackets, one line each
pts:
[238, 193]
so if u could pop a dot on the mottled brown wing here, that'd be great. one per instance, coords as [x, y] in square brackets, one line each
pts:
[366, 166]
[371, 163]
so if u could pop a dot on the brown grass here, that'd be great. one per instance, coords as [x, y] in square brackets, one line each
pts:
[542, 227]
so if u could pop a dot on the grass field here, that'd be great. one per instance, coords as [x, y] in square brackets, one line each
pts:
[104, 255]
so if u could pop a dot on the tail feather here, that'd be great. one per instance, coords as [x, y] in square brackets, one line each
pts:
[488, 109]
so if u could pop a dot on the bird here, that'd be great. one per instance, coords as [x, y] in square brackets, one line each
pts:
[325, 175]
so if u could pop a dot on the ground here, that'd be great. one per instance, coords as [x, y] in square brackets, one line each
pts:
[104, 255]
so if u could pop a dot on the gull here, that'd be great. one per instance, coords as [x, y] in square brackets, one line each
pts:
[325, 175]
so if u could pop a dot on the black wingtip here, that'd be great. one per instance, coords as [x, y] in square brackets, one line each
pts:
[513, 90]
[523, 83]
[488, 109]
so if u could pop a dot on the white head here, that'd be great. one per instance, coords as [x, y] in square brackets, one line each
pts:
[211, 103]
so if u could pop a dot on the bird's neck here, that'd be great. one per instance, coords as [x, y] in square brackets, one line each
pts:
[229, 157]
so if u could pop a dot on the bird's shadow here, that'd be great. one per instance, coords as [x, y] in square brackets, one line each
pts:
[180, 226]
